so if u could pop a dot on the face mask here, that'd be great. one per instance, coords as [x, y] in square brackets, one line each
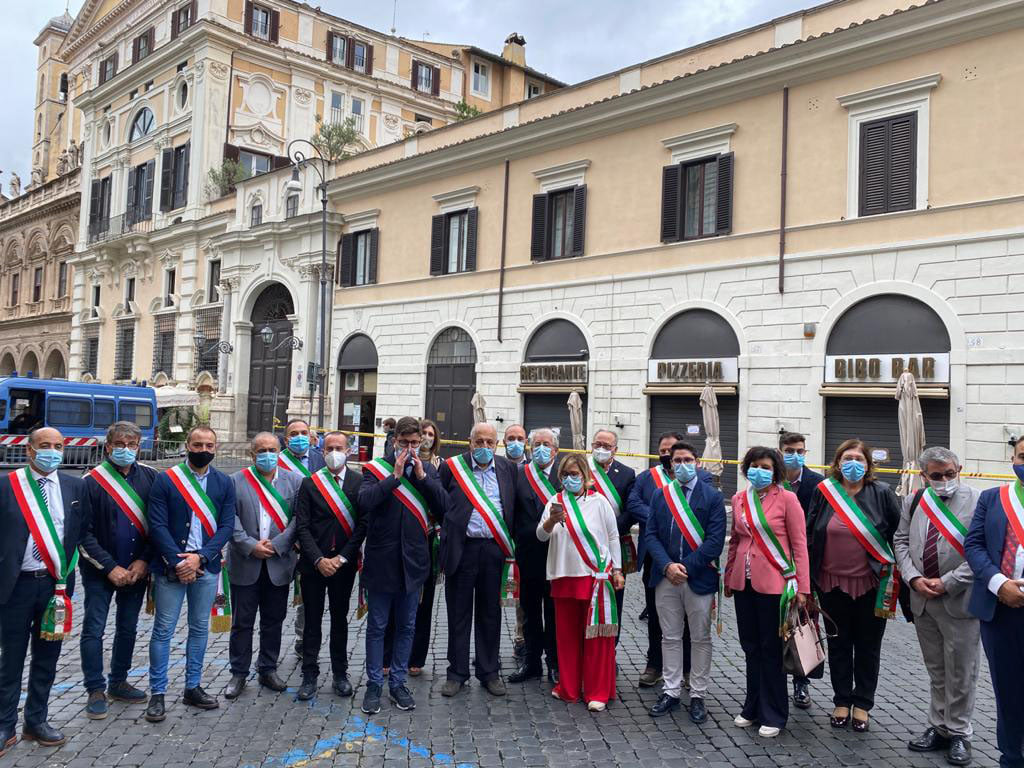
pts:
[759, 477]
[483, 456]
[793, 460]
[1018, 470]
[666, 462]
[945, 487]
[266, 461]
[123, 457]
[853, 470]
[200, 459]
[336, 459]
[48, 459]
[298, 444]
[572, 483]
[684, 472]
[514, 449]
[426, 444]
[602, 455]
[542, 454]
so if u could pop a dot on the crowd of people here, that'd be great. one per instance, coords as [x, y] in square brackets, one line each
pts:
[546, 530]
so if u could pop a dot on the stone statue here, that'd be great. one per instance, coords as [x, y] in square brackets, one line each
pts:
[15, 185]
[37, 177]
[74, 155]
[63, 163]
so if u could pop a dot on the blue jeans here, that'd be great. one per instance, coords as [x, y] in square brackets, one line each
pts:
[380, 606]
[99, 591]
[168, 596]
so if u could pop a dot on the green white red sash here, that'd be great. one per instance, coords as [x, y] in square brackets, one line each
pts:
[771, 548]
[686, 521]
[948, 524]
[56, 621]
[540, 483]
[1012, 498]
[604, 486]
[336, 499]
[869, 537]
[405, 492]
[220, 612]
[604, 613]
[288, 460]
[270, 499]
[660, 477]
[130, 503]
[184, 480]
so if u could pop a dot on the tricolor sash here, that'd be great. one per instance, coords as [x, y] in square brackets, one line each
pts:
[603, 485]
[336, 499]
[270, 499]
[686, 521]
[1012, 498]
[405, 492]
[869, 537]
[948, 524]
[660, 477]
[56, 623]
[220, 612]
[185, 481]
[604, 611]
[771, 548]
[129, 502]
[540, 483]
[288, 460]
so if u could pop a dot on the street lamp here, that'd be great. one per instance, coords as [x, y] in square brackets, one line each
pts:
[224, 347]
[267, 334]
[301, 160]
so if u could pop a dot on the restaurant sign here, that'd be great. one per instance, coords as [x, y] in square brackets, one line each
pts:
[886, 369]
[722, 370]
[553, 373]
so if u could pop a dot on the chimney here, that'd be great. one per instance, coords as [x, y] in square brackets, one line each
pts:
[515, 49]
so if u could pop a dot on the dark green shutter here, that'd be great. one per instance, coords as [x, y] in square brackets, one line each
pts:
[437, 244]
[723, 206]
[579, 224]
[471, 229]
[345, 261]
[539, 229]
[371, 271]
[671, 207]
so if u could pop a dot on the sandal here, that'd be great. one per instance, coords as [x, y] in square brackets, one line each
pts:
[837, 720]
[860, 724]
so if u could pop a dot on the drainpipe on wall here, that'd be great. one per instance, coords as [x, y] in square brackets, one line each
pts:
[501, 267]
[782, 197]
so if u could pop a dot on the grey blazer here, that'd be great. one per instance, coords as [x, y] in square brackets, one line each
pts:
[243, 567]
[908, 544]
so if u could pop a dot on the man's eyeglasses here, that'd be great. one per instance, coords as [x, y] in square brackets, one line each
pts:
[949, 474]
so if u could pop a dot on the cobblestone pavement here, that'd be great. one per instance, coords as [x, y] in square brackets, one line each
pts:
[526, 728]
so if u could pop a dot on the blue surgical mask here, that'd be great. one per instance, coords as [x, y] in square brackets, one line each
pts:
[793, 460]
[759, 477]
[266, 461]
[298, 444]
[572, 483]
[514, 449]
[48, 459]
[483, 456]
[853, 470]
[684, 472]
[1018, 470]
[542, 454]
[123, 457]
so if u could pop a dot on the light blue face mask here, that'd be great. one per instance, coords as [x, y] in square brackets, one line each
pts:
[572, 483]
[759, 477]
[853, 470]
[298, 444]
[542, 454]
[48, 459]
[685, 471]
[266, 461]
[123, 457]
[483, 456]
[793, 460]
[514, 449]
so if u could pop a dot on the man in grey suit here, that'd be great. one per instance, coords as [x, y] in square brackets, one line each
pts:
[261, 561]
[929, 552]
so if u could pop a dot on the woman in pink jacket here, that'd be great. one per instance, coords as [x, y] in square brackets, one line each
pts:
[767, 568]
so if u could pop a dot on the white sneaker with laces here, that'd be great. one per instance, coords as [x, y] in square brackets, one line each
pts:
[768, 732]
[742, 722]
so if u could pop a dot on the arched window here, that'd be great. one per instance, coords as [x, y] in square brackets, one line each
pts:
[141, 125]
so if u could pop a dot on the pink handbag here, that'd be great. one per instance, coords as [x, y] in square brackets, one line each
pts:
[804, 651]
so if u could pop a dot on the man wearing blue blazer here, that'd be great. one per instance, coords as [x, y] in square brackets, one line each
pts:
[993, 547]
[685, 534]
[481, 490]
[36, 569]
[191, 519]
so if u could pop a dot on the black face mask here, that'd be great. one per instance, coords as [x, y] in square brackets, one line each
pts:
[200, 459]
[666, 462]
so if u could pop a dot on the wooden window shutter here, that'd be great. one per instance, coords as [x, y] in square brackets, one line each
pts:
[436, 81]
[181, 195]
[345, 261]
[874, 163]
[248, 17]
[671, 207]
[437, 238]
[174, 25]
[369, 59]
[135, 49]
[166, 179]
[903, 163]
[107, 187]
[415, 71]
[723, 205]
[151, 34]
[539, 229]
[275, 25]
[579, 220]
[371, 267]
[350, 52]
[330, 45]
[471, 229]
[94, 201]
[114, 57]
[147, 200]
[130, 205]
[194, 16]
[231, 152]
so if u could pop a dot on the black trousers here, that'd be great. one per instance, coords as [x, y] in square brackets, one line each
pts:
[1002, 638]
[855, 653]
[272, 603]
[422, 632]
[20, 619]
[338, 588]
[654, 625]
[475, 588]
[538, 618]
[757, 623]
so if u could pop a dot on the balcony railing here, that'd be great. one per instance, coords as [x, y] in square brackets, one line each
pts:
[127, 223]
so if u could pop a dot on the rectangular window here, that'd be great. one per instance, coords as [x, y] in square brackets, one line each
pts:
[256, 215]
[103, 413]
[533, 89]
[699, 196]
[453, 242]
[169, 277]
[213, 282]
[37, 284]
[15, 285]
[357, 258]
[357, 114]
[108, 68]
[138, 413]
[254, 163]
[558, 224]
[163, 345]
[99, 208]
[338, 52]
[361, 246]
[457, 238]
[124, 350]
[481, 79]
[291, 207]
[424, 78]
[95, 301]
[359, 57]
[69, 412]
[91, 355]
[562, 204]
[142, 46]
[260, 22]
[207, 323]
[337, 107]
[129, 290]
[696, 198]
[140, 193]
[184, 19]
[62, 279]
[888, 165]
[181, 162]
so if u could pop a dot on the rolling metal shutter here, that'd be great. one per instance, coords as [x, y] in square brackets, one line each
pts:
[675, 412]
[551, 410]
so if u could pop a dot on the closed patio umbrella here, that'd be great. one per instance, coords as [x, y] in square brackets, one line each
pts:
[712, 428]
[479, 406]
[912, 437]
[576, 420]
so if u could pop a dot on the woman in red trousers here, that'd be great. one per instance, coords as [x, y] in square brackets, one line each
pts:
[585, 569]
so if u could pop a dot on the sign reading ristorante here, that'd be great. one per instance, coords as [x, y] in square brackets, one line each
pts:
[553, 373]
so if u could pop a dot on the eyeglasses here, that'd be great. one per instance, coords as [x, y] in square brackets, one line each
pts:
[949, 474]
[122, 444]
[403, 444]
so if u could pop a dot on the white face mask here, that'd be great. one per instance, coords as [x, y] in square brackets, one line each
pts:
[427, 443]
[945, 487]
[601, 455]
[336, 459]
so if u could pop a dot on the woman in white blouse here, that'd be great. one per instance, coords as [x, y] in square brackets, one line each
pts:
[584, 567]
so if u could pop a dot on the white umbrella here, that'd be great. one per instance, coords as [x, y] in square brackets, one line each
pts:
[912, 437]
[576, 420]
[479, 404]
[712, 428]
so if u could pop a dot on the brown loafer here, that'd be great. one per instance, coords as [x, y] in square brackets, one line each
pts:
[860, 724]
[839, 721]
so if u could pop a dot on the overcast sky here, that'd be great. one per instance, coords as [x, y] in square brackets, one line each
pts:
[571, 40]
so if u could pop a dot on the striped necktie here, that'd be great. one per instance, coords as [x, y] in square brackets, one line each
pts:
[43, 482]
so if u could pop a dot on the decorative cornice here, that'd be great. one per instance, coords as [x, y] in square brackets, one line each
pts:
[916, 87]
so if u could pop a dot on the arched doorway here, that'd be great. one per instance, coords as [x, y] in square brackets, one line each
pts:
[451, 382]
[270, 364]
[357, 380]
[554, 365]
[55, 366]
[30, 365]
[868, 348]
[694, 348]
[7, 365]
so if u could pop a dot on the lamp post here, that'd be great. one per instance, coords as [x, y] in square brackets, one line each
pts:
[267, 335]
[224, 347]
[300, 160]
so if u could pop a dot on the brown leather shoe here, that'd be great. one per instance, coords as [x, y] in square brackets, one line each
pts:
[650, 677]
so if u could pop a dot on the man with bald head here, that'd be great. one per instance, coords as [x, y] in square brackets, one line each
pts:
[476, 554]
[261, 561]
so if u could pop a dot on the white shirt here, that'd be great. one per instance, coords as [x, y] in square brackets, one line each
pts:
[50, 485]
[195, 530]
[264, 517]
[563, 557]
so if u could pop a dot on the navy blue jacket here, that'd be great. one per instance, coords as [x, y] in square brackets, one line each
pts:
[317, 530]
[623, 478]
[170, 518]
[456, 519]
[396, 553]
[984, 550]
[316, 458]
[99, 542]
[639, 503]
[16, 534]
[805, 490]
[663, 539]
[531, 552]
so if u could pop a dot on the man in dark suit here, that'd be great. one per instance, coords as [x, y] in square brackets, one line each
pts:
[400, 497]
[330, 528]
[191, 520]
[535, 485]
[801, 481]
[994, 549]
[475, 545]
[116, 552]
[36, 569]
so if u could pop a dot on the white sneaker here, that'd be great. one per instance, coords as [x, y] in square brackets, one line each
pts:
[742, 722]
[596, 706]
[768, 732]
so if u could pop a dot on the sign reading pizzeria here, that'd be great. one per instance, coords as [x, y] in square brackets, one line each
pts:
[553, 373]
[723, 370]
[886, 369]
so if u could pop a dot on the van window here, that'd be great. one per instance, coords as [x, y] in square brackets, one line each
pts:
[104, 415]
[140, 414]
[69, 412]
[26, 411]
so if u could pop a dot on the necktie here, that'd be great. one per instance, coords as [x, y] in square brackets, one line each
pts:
[1010, 552]
[43, 482]
[930, 559]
